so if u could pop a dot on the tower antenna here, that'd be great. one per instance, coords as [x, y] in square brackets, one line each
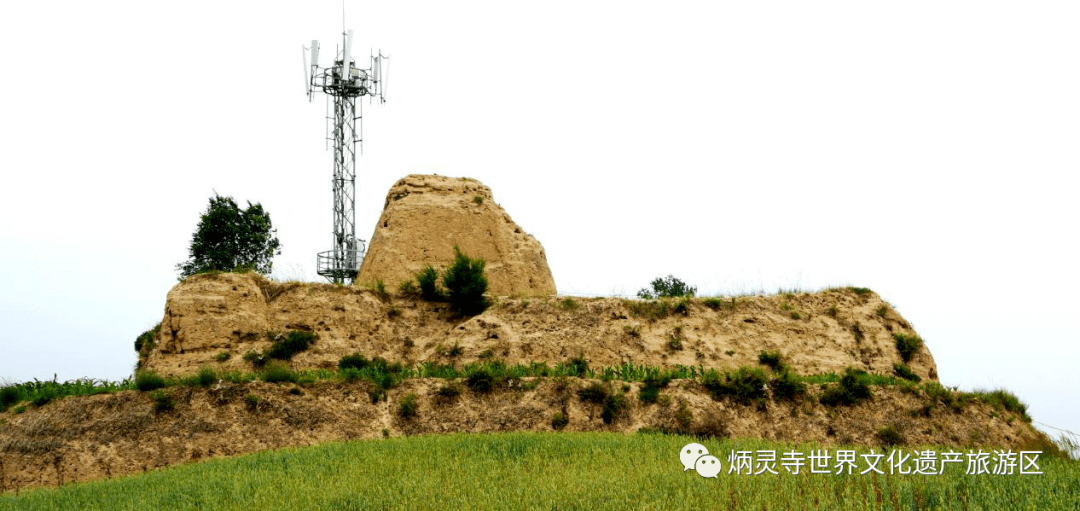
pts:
[344, 82]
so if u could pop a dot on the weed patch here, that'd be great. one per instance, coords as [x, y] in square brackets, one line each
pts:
[907, 345]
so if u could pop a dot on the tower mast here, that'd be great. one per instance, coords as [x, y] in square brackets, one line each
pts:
[343, 82]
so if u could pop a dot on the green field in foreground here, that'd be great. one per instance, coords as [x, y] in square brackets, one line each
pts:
[545, 471]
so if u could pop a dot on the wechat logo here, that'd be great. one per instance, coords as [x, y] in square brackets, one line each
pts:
[697, 457]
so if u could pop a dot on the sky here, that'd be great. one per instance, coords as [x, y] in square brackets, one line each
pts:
[924, 149]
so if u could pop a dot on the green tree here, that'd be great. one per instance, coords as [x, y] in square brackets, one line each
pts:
[667, 287]
[229, 238]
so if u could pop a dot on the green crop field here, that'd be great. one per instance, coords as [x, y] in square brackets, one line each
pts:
[546, 471]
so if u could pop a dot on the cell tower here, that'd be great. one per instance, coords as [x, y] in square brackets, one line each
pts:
[344, 82]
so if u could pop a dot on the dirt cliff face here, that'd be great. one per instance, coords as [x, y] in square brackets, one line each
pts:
[814, 332]
[93, 437]
[426, 216]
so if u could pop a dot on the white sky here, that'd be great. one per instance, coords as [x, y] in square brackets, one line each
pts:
[925, 149]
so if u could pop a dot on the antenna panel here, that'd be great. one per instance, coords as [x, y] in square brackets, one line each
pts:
[315, 53]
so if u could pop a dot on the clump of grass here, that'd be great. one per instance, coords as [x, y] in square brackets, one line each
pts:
[593, 393]
[712, 303]
[407, 406]
[148, 380]
[455, 351]
[294, 342]
[223, 356]
[652, 309]
[833, 310]
[890, 436]
[905, 372]
[277, 372]
[408, 289]
[853, 389]
[632, 330]
[683, 306]
[163, 402]
[559, 420]
[45, 395]
[252, 401]
[488, 353]
[795, 315]
[860, 290]
[907, 345]
[611, 403]
[206, 376]
[746, 385]
[1003, 399]
[568, 304]
[882, 310]
[477, 199]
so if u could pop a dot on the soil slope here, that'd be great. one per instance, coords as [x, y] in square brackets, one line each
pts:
[76, 439]
[207, 315]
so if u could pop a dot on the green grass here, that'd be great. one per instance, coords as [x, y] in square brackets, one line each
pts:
[541, 471]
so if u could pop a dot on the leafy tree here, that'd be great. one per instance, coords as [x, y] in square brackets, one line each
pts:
[229, 238]
[465, 284]
[667, 287]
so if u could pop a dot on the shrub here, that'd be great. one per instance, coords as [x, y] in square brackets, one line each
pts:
[294, 342]
[466, 284]
[257, 359]
[614, 404]
[667, 287]
[905, 372]
[771, 359]
[481, 380]
[407, 406]
[277, 372]
[146, 339]
[649, 394]
[594, 393]
[448, 391]
[907, 345]
[787, 387]
[852, 389]
[428, 279]
[746, 385]
[795, 315]
[148, 380]
[559, 421]
[882, 310]
[578, 366]
[653, 382]
[9, 396]
[162, 402]
[252, 401]
[206, 376]
[889, 436]
[354, 361]
[44, 395]
[683, 306]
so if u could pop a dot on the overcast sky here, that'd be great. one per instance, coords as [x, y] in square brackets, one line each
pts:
[925, 149]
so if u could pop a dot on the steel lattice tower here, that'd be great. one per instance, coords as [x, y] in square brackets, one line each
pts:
[344, 83]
